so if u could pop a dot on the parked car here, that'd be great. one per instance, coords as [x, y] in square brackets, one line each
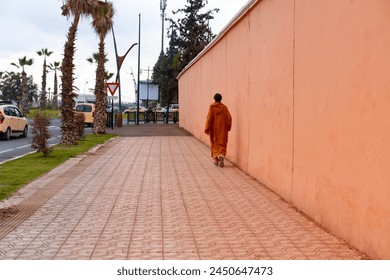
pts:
[12, 121]
[172, 108]
[88, 110]
[159, 110]
[109, 109]
[134, 109]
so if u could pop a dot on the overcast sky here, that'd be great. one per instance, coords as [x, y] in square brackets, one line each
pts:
[29, 26]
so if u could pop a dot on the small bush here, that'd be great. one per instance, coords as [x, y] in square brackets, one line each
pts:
[41, 134]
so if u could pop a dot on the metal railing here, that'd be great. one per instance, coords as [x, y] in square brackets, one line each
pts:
[152, 117]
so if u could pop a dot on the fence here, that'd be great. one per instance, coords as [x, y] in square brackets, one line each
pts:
[152, 117]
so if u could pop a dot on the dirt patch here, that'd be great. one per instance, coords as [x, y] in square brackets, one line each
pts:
[8, 212]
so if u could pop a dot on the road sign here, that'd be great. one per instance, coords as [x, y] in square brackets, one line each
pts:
[112, 87]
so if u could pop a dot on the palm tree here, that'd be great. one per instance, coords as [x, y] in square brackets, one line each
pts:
[45, 53]
[55, 67]
[77, 8]
[24, 98]
[102, 23]
[94, 59]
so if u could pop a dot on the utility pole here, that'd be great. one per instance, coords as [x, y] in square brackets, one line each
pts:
[139, 68]
[163, 5]
[147, 86]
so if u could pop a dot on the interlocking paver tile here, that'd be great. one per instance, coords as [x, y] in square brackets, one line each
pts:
[158, 198]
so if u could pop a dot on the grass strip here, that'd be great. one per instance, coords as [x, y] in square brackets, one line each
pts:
[52, 114]
[17, 173]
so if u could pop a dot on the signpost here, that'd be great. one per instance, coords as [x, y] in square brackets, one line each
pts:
[112, 87]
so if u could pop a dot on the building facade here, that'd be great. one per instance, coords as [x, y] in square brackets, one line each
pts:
[307, 83]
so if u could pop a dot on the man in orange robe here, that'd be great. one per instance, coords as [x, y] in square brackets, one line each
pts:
[218, 124]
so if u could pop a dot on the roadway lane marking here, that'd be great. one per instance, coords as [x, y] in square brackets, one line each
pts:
[17, 157]
[6, 151]
[26, 146]
[21, 147]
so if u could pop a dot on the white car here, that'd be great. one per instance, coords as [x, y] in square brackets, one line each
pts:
[173, 107]
[12, 121]
[159, 110]
[134, 109]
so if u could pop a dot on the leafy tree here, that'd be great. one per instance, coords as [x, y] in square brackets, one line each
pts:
[192, 33]
[189, 35]
[10, 87]
[102, 23]
[23, 62]
[45, 53]
[164, 74]
[55, 67]
[76, 8]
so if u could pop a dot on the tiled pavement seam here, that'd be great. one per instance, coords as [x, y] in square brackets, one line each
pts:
[32, 203]
[162, 198]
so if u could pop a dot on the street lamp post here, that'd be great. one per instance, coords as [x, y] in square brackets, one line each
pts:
[163, 5]
[119, 61]
[147, 86]
[139, 68]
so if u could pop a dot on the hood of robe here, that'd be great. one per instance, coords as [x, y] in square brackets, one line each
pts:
[218, 107]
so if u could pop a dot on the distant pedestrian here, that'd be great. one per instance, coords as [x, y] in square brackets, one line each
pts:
[149, 115]
[218, 124]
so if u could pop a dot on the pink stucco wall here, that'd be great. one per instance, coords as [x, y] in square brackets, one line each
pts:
[308, 87]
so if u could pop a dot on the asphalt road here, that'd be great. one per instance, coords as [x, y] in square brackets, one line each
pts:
[18, 146]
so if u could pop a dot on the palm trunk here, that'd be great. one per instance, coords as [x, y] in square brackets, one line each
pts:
[25, 106]
[43, 93]
[69, 134]
[55, 93]
[100, 92]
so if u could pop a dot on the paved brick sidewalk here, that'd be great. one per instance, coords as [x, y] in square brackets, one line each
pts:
[158, 197]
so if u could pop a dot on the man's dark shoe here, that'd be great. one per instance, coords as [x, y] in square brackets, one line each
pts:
[221, 161]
